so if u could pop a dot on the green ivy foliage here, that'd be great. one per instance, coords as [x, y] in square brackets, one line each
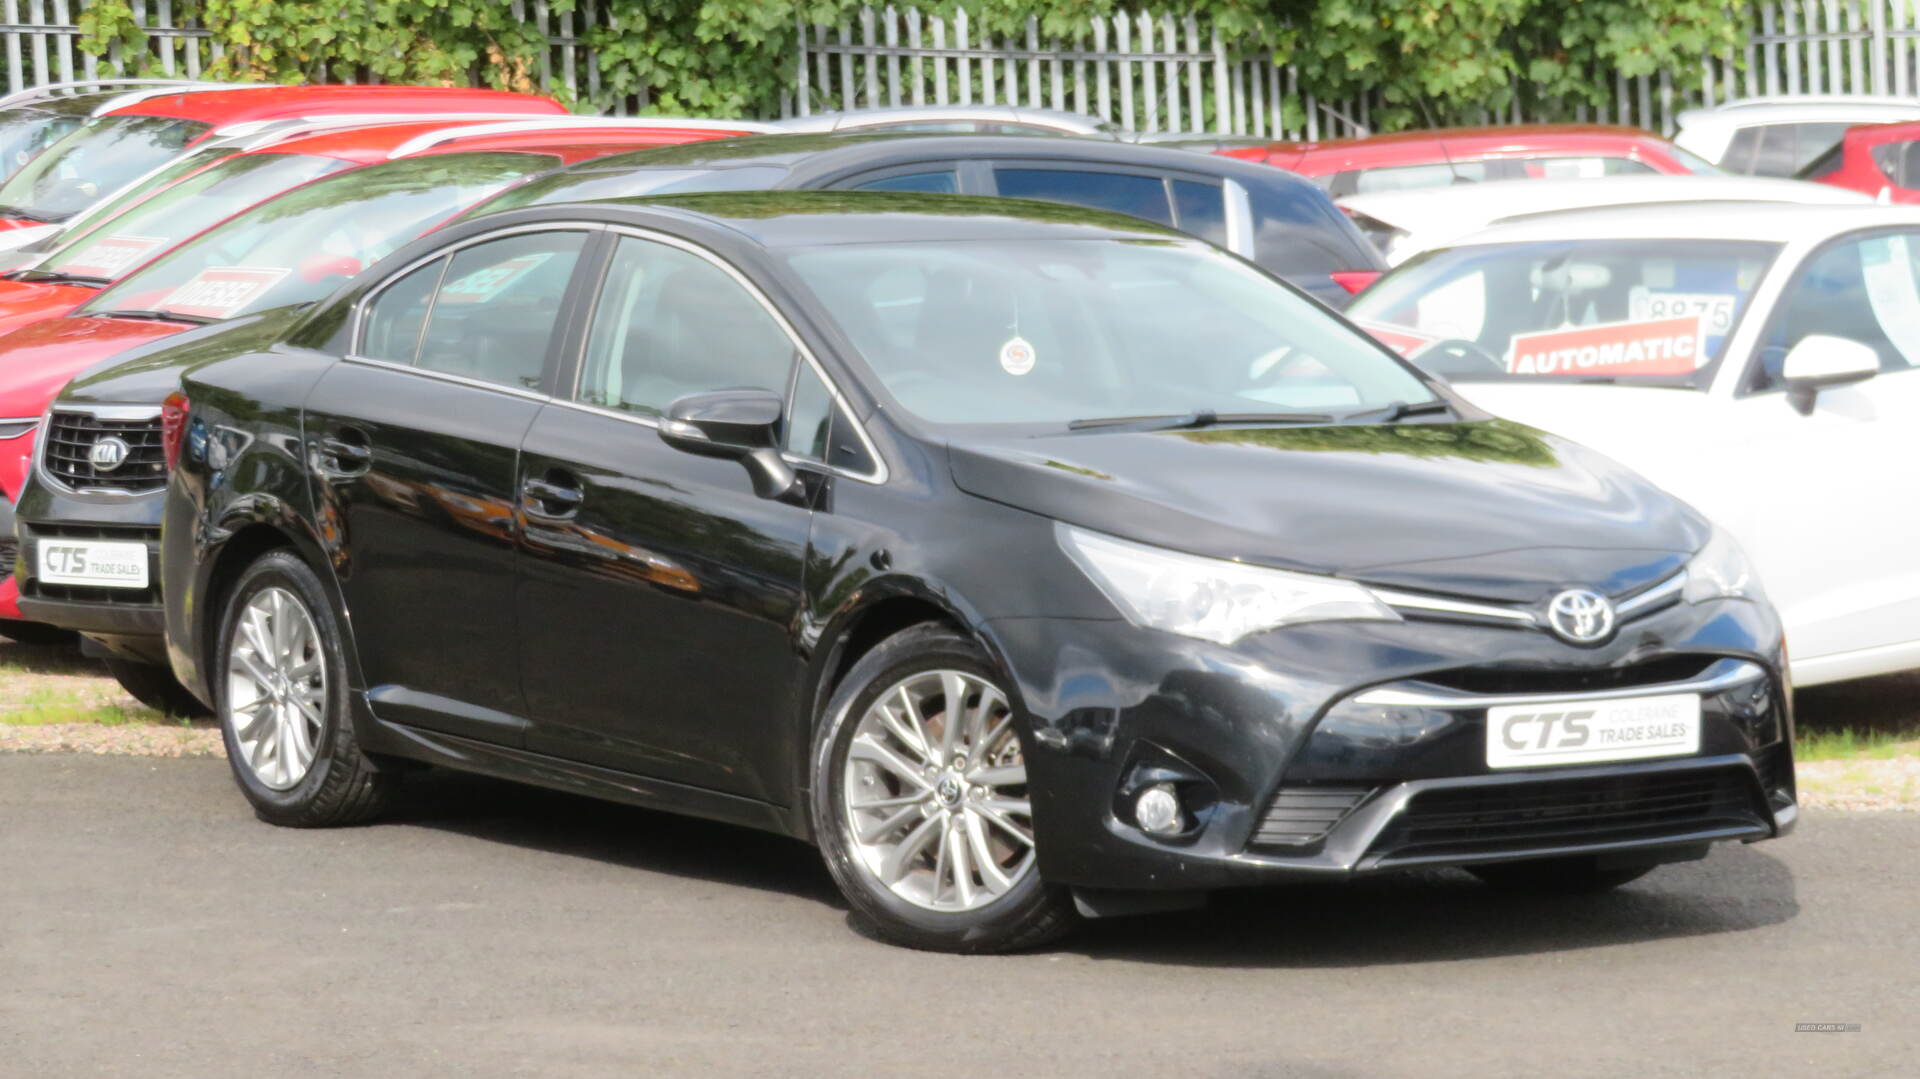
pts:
[1428, 61]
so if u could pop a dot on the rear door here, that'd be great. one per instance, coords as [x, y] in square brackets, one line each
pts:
[416, 437]
[659, 596]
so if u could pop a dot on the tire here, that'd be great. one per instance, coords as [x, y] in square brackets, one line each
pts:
[156, 687]
[340, 784]
[36, 633]
[1579, 875]
[1025, 911]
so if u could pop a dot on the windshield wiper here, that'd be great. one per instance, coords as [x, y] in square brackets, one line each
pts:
[1400, 410]
[1204, 417]
[25, 214]
[154, 316]
[55, 277]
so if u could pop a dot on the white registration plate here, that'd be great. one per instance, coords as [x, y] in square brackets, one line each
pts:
[1584, 732]
[103, 565]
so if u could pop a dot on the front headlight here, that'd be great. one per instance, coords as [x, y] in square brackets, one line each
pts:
[1721, 571]
[1209, 598]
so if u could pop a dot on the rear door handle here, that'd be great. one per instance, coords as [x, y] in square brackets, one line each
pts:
[550, 499]
[344, 458]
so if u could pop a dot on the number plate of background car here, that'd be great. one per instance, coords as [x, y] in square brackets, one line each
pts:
[1585, 732]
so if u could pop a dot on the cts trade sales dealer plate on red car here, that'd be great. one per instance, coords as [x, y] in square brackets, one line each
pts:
[1585, 732]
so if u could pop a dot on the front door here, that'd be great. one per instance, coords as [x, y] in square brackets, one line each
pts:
[660, 597]
[416, 438]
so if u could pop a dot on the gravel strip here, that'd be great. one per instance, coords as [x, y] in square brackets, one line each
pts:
[135, 740]
[1861, 784]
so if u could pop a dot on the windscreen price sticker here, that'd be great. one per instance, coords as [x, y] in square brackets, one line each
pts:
[1401, 340]
[219, 291]
[1668, 346]
[1714, 308]
[111, 256]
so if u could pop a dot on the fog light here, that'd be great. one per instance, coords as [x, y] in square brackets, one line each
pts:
[1157, 810]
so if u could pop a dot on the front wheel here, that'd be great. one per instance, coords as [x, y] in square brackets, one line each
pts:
[281, 694]
[920, 801]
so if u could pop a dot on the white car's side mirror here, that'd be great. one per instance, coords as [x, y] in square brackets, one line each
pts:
[1821, 360]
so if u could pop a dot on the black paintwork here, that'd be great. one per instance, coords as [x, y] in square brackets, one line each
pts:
[826, 162]
[669, 637]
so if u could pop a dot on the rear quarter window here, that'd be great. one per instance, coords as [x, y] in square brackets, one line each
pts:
[1297, 232]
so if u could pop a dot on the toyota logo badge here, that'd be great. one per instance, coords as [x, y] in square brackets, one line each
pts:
[108, 454]
[1579, 616]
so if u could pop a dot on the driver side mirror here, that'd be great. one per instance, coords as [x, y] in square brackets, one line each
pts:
[1820, 361]
[740, 425]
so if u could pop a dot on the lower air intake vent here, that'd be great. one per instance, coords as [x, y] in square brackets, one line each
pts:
[1302, 815]
[9, 554]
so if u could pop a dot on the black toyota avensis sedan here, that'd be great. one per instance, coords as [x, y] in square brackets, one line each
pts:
[1030, 560]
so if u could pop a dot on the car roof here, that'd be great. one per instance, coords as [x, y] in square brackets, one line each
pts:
[812, 155]
[560, 136]
[781, 219]
[242, 104]
[1492, 200]
[80, 105]
[1694, 221]
[1782, 108]
[831, 121]
[1470, 136]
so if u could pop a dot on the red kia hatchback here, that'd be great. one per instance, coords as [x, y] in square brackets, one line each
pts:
[1471, 154]
[1878, 159]
[137, 132]
[294, 248]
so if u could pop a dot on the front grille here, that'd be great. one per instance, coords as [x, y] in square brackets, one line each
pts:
[1498, 680]
[1298, 816]
[70, 440]
[9, 555]
[1512, 817]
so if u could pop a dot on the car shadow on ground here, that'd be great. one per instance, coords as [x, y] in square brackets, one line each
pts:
[1447, 915]
[538, 819]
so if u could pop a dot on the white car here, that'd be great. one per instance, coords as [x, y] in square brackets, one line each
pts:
[1404, 223]
[1779, 136]
[1761, 362]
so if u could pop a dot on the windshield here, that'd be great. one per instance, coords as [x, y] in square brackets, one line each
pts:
[1053, 332]
[105, 153]
[150, 227]
[631, 183]
[139, 189]
[1645, 311]
[300, 246]
[1694, 163]
[25, 132]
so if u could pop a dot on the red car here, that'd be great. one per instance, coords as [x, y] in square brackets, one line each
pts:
[292, 249]
[1878, 159]
[137, 132]
[1471, 154]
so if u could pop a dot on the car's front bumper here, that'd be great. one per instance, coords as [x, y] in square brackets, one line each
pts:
[1302, 772]
[125, 621]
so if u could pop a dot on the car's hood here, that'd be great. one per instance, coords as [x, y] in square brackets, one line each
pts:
[23, 303]
[144, 376]
[1489, 509]
[37, 360]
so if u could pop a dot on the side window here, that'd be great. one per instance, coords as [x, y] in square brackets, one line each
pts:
[1891, 157]
[1775, 156]
[1411, 177]
[1127, 193]
[933, 183]
[494, 314]
[1741, 149]
[1823, 166]
[1865, 290]
[809, 415]
[1812, 140]
[1200, 210]
[670, 323]
[398, 314]
[1297, 235]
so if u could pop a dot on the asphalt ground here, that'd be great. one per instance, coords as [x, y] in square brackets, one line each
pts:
[150, 926]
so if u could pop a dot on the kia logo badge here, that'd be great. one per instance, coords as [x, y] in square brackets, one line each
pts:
[1579, 616]
[108, 454]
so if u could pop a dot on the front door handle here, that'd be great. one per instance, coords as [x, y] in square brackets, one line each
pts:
[344, 457]
[553, 499]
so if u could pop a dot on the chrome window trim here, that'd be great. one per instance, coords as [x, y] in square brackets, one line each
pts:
[1742, 673]
[448, 376]
[1239, 216]
[880, 472]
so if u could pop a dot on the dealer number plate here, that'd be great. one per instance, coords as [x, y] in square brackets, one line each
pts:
[1585, 732]
[103, 565]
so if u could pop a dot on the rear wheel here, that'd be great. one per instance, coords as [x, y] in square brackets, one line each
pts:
[156, 687]
[921, 805]
[281, 692]
[1559, 876]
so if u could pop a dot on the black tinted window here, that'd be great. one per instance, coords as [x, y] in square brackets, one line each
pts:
[1201, 210]
[932, 183]
[1293, 233]
[494, 314]
[396, 315]
[1127, 193]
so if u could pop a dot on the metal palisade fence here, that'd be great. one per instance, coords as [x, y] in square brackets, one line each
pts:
[1146, 70]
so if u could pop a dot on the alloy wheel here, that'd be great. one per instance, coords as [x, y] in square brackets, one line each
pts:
[936, 792]
[276, 682]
